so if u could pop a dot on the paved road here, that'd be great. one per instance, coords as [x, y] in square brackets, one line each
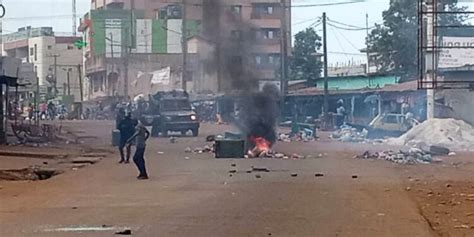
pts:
[197, 197]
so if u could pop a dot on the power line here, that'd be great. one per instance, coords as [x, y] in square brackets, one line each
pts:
[349, 25]
[344, 28]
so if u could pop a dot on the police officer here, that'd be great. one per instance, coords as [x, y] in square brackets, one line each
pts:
[126, 128]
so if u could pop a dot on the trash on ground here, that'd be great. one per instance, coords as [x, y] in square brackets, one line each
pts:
[405, 156]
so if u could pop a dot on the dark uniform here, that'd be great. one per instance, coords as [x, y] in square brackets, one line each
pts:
[127, 128]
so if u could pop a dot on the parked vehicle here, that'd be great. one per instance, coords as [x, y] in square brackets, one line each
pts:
[170, 111]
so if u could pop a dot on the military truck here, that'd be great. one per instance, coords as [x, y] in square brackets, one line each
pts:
[170, 111]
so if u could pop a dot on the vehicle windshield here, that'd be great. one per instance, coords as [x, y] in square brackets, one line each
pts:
[176, 105]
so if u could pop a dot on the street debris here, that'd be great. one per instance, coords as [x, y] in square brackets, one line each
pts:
[173, 140]
[124, 232]
[349, 134]
[405, 156]
[258, 176]
[355, 176]
[85, 160]
[319, 174]
[294, 174]
[232, 171]
[450, 133]
[211, 138]
[188, 150]
[260, 169]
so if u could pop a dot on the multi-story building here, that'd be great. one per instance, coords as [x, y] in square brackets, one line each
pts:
[244, 42]
[55, 59]
[150, 33]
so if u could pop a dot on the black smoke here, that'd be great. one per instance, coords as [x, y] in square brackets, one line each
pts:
[258, 114]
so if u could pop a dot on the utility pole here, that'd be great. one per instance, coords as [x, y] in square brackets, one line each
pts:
[55, 65]
[37, 97]
[325, 49]
[184, 46]
[367, 43]
[129, 50]
[68, 77]
[74, 16]
[79, 71]
[283, 51]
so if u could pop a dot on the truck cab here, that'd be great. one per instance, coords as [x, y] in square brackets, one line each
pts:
[170, 111]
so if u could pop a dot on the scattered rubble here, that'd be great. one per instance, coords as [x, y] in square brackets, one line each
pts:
[408, 156]
[450, 133]
[349, 134]
[260, 169]
[304, 135]
[173, 140]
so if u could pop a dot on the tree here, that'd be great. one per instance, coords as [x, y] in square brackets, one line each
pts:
[304, 63]
[395, 41]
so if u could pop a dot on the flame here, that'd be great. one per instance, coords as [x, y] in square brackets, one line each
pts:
[261, 143]
[262, 147]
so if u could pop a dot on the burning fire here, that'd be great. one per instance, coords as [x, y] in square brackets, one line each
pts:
[262, 147]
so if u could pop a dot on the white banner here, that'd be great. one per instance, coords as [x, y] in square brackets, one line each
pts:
[456, 57]
[162, 76]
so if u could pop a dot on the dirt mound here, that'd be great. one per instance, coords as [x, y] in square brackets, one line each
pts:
[451, 133]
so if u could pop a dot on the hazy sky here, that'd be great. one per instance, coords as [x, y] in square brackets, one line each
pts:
[343, 45]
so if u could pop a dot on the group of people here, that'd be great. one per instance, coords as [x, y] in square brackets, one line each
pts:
[132, 132]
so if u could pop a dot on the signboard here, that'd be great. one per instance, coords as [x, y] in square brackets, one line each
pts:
[262, 83]
[456, 57]
[162, 76]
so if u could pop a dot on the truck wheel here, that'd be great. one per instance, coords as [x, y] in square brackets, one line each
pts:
[195, 132]
[155, 131]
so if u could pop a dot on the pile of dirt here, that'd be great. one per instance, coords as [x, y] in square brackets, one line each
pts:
[450, 133]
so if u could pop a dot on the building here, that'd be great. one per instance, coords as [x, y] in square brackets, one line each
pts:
[244, 43]
[116, 30]
[55, 59]
[127, 47]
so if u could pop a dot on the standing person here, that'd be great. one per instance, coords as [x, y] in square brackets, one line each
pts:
[126, 128]
[43, 108]
[51, 110]
[340, 113]
[140, 136]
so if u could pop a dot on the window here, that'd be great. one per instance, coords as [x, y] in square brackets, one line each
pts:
[269, 10]
[258, 59]
[50, 47]
[36, 52]
[32, 51]
[236, 9]
[274, 59]
[236, 34]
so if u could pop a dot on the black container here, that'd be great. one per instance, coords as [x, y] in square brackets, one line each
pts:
[230, 148]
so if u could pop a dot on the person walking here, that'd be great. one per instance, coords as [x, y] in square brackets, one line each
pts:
[141, 136]
[126, 128]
